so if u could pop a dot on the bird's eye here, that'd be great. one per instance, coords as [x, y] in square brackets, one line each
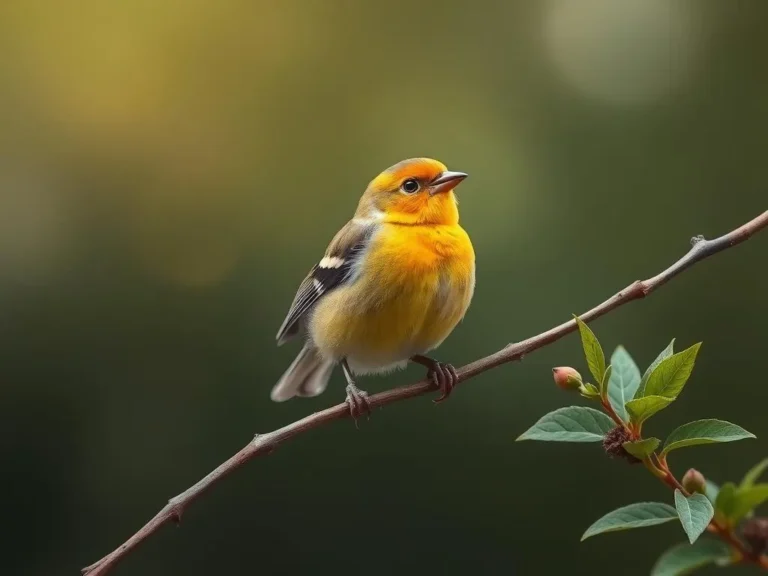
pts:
[410, 186]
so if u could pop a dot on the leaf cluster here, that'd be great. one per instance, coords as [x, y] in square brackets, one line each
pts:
[628, 399]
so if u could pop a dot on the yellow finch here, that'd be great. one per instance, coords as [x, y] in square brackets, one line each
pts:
[393, 283]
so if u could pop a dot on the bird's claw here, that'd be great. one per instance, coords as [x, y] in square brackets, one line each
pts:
[358, 402]
[445, 378]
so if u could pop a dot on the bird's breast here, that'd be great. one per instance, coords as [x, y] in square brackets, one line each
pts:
[413, 285]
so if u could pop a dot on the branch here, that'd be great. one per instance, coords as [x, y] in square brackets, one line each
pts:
[266, 443]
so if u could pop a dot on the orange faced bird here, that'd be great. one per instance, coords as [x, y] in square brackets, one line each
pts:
[392, 285]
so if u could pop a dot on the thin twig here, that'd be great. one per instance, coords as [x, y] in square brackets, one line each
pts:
[608, 407]
[265, 443]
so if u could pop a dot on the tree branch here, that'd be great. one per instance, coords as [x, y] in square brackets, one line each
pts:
[265, 443]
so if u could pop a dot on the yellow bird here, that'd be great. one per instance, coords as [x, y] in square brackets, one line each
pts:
[392, 285]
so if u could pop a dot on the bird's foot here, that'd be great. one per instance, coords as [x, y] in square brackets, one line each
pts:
[446, 378]
[443, 375]
[358, 402]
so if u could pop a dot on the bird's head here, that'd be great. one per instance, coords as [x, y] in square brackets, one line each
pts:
[414, 191]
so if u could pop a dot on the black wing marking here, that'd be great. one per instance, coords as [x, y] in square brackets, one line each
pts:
[329, 273]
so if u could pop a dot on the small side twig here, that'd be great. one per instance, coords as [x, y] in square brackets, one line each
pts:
[265, 443]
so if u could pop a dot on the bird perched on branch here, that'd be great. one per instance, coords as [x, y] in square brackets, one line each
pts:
[392, 285]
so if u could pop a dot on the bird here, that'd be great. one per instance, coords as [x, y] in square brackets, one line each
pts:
[391, 286]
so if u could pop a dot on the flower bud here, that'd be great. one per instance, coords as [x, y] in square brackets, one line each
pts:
[567, 378]
[693, 481]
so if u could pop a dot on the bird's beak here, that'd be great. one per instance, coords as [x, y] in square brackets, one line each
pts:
[445, 182]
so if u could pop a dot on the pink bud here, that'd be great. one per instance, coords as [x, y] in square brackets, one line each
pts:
[567, 378]
[693, 481]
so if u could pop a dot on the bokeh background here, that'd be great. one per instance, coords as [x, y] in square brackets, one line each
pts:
[169, 171]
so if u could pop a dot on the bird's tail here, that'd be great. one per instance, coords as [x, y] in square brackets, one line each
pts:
[308, 375]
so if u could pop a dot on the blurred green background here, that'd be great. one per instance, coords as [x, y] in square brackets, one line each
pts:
[169, 171]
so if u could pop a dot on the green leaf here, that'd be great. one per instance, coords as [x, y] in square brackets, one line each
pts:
[754, 473]
[711, 489]
[571, 424]
[590, 391]
[633, 516]
[695, 513]
[642, 448]
[704, 432]
[683, 559]
[640, 409]
[666, 353]
[624, 380]
[605, 380]
[747, 499]
[734, 503]
[669, 377]
[592, 350]
[725, 502]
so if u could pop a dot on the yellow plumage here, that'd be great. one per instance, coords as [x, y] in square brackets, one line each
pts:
[413, 289]
[393, 284]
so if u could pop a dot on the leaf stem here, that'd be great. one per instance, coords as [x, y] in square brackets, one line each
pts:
[655, 470]
[670, 477]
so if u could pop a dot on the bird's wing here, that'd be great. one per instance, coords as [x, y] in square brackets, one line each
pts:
[333, 270]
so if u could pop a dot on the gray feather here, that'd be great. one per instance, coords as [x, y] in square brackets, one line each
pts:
[332, 271]
[307, 375]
